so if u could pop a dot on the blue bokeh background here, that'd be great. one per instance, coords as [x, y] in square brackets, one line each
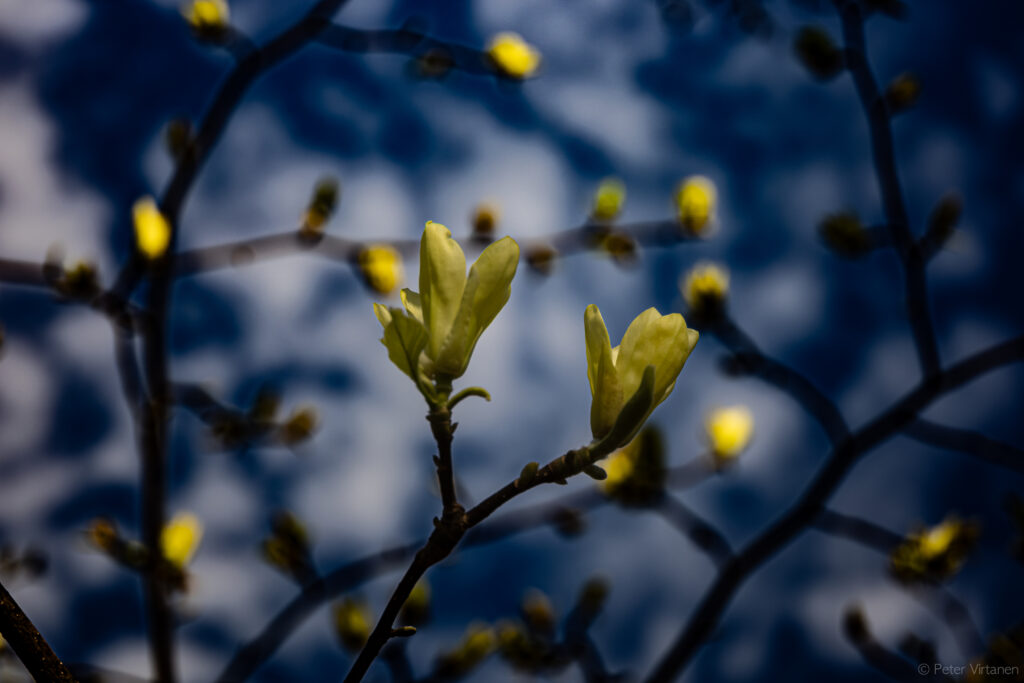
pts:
[632, 89]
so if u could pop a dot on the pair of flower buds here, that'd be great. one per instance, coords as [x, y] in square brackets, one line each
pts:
[432, 338]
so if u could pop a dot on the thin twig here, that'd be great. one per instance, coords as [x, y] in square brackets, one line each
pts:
[696, 528]
[748, 359]
[882, 148]
[967, 441]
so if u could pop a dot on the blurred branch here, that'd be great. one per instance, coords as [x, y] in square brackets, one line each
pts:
[807, 508]
[877, 112]
[252, 655]
[26, 641]
[936, 597]
[582, 238]
[883, 660]
[17, 272]
[749, 360]
[859, 530]
[154, 417]
[408, 42]
[967, 441]
[696, 528]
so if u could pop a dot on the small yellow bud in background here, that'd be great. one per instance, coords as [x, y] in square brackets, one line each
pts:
[416, 609]
[351, 624]
[320, 208]
[477, 644]
[934, 554]
[180, 539]
[637, 472]
[541, 258]
[485, 221]
[705, 287]
[207, 16]
[152, 231]
[608, 200]
[512, 56]
[538, 612]
[79, 282]
[102, 534]
[696, 199]
[902, 93]
[729, 431]
[299, 426]
[621, 247]
[844, 234]
[381, 268]
[818, 53]
[288, 546]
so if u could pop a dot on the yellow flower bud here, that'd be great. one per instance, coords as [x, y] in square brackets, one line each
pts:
[636, 472]
[513, 56]
[608, 200]
[208, 15]
[152, 231]
[705, 287]
[434, 337]
[180, 539]
[696, 199]
[648, 361]
[351, 624]
[381, 268]
[729, 431]
[933, 554]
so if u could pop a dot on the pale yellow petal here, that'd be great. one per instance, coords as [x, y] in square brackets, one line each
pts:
[487, 290]
[442, 281]
[605, 388]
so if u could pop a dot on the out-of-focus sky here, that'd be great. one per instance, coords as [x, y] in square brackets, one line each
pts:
[85, 90]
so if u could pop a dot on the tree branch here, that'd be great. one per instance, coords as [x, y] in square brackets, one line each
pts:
[882, 148]
[748, 359]
[30, 646]
[808, 507]
[967, 441]
[700, 532]
[251, 656]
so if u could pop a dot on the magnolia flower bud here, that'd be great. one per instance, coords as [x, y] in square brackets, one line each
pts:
[152, 231]
[696, 199]
[608, 200]
[512, 56]
[381, 268]
[180, 539]
[729, 431]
